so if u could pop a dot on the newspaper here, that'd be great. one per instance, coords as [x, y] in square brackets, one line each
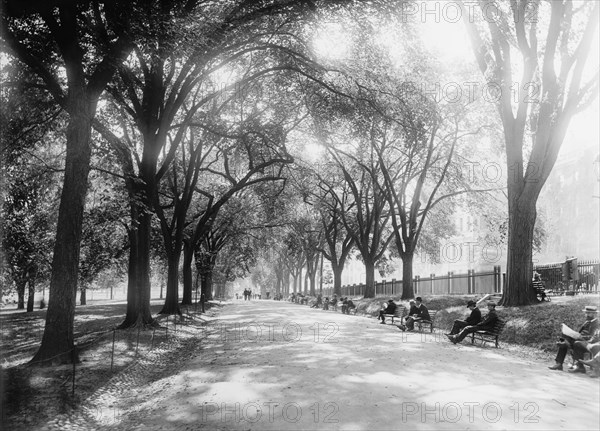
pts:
[568, 332]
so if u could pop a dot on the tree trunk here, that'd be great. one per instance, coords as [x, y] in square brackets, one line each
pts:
[82, 296]
[407, 277]
[313, 283]
[21, 294]
[57, 342]
[286, 282]
[30, 295]
[306, 282]
[519, 267]
[188, 279]
[172, 298]
[337, 279]
[206, 285]
[138, 283]
[370, 279]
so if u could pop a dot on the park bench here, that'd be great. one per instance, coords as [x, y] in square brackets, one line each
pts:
[399, 314]
[351, 310]
[541, 294]
[540, 291]
[491, 336]
[420, 323]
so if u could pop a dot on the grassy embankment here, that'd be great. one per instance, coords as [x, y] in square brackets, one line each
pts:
[537, 326]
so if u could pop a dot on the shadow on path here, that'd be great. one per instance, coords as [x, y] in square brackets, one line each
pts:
[275, 365]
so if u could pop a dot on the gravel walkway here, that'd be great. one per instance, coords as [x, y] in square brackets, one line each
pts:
[265, 365]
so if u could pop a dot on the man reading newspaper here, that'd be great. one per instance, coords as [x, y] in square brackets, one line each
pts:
[577, 341]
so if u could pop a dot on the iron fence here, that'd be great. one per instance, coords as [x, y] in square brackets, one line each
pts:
[556, 276]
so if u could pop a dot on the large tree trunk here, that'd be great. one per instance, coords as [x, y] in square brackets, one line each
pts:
[286, 282]
[57, 342]
[337, 278]
[172, 299]
[204, 266]
[188, 279]
[306, 282]
[206, 285]
[30, 295]
[408, 291]
[82, 296]
[138, 283]
[21, 294]
[370, 279]
[519, 267]
[313, 283]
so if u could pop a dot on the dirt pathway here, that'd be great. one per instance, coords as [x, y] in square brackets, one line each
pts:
[266, 365]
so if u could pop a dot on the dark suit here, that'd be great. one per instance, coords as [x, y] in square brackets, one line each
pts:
[486, 324]
[421, 313]
[473, 319]
[347, 305]
[390, 309]
[588, 333]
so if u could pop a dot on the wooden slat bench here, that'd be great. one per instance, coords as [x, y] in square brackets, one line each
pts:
[430, 322]
[491, 336]
[399, 314]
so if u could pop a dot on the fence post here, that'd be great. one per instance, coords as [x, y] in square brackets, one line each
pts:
[73, 356]
[112, 356]
[167, 330]
[450, 273]
[431, 284]
[496, 278]
[416, 282]
[393, 286]
[137, 343]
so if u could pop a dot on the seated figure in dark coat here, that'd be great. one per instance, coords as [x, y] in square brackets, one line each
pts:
[486, 324]
[473, 319]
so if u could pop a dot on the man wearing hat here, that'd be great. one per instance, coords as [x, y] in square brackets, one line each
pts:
[588, 334]
[389, 309]
[486, 324]
[420, 313]
[473, 319]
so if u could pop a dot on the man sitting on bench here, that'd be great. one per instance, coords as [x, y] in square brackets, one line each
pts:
[420, 313]
[473, 319]
[347, 305]
[578, 342]
[390, 308]
[486, 324]
[538, 286]
[334, 301]
[319, 301]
